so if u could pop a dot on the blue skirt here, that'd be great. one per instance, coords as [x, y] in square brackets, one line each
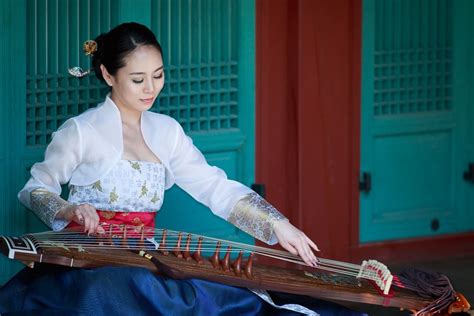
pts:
[53, 290]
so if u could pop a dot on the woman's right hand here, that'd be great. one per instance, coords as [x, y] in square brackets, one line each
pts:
[296, 242]
[84, 215]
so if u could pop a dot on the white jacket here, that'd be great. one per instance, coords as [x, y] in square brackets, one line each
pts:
[87, 146]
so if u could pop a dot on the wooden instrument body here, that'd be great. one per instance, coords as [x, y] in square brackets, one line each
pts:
[312, 282]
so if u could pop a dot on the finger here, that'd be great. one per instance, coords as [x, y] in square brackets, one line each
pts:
[90, 215]
[309, 254]
[309, 246]
[297, 245]
[306, 253]
[303, 255]
[290, 248]
[87, 224]
[95, 224]
[99, 228]
[312, 244]
[314, 261]
[94, 219]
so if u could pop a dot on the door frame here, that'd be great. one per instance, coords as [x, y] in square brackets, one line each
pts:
[279, 30]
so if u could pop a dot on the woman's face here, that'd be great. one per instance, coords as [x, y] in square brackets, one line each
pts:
[136, 85]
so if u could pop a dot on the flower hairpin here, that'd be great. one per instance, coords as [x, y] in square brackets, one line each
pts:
[89, 47]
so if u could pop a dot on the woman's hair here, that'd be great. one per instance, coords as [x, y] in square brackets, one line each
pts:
[115, 45]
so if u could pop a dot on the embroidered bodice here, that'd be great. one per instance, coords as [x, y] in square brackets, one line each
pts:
[130, 186]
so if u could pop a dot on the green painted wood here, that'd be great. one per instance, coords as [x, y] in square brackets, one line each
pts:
[132, 10]
[12, 97]
[209, 57]
[247, 86]
[209, 53]
[463, 30]
[415, 118]
[42, 39]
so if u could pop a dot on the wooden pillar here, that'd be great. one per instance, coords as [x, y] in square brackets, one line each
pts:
[308, 104]
[276, 147]
[327, 107]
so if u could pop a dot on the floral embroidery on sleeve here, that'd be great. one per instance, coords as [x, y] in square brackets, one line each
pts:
[255, 216]
[47, 205]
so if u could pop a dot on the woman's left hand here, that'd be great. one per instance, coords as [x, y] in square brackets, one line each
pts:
[295, 241]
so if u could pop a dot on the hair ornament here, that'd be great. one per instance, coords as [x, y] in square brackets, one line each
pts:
[78, 72]
[89, 47]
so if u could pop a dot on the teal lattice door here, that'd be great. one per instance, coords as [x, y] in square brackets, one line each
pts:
[209, 53]
[209, 63]
[416, 134]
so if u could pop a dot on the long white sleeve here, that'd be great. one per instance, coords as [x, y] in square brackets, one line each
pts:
[207, 184]
[226, 198]
[41, 192]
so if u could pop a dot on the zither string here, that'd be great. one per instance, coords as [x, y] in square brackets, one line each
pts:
[73, 238]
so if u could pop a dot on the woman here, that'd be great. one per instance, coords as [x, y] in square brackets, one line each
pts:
[118, 160]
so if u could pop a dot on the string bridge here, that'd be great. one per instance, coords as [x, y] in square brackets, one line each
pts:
[221, 261]
[200, 250]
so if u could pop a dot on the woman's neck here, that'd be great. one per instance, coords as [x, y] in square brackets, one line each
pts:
[129, 117]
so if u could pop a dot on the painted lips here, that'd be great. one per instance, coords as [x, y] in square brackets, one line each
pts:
[148, 101]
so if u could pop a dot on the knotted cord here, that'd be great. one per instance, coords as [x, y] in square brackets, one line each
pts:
[429, 285]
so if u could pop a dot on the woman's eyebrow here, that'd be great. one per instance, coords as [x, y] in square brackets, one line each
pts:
[141, 73]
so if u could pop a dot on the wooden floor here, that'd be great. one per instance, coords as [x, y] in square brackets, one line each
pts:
[460, 271]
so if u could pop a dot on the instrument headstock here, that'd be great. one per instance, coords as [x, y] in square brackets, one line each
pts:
[11, 246]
